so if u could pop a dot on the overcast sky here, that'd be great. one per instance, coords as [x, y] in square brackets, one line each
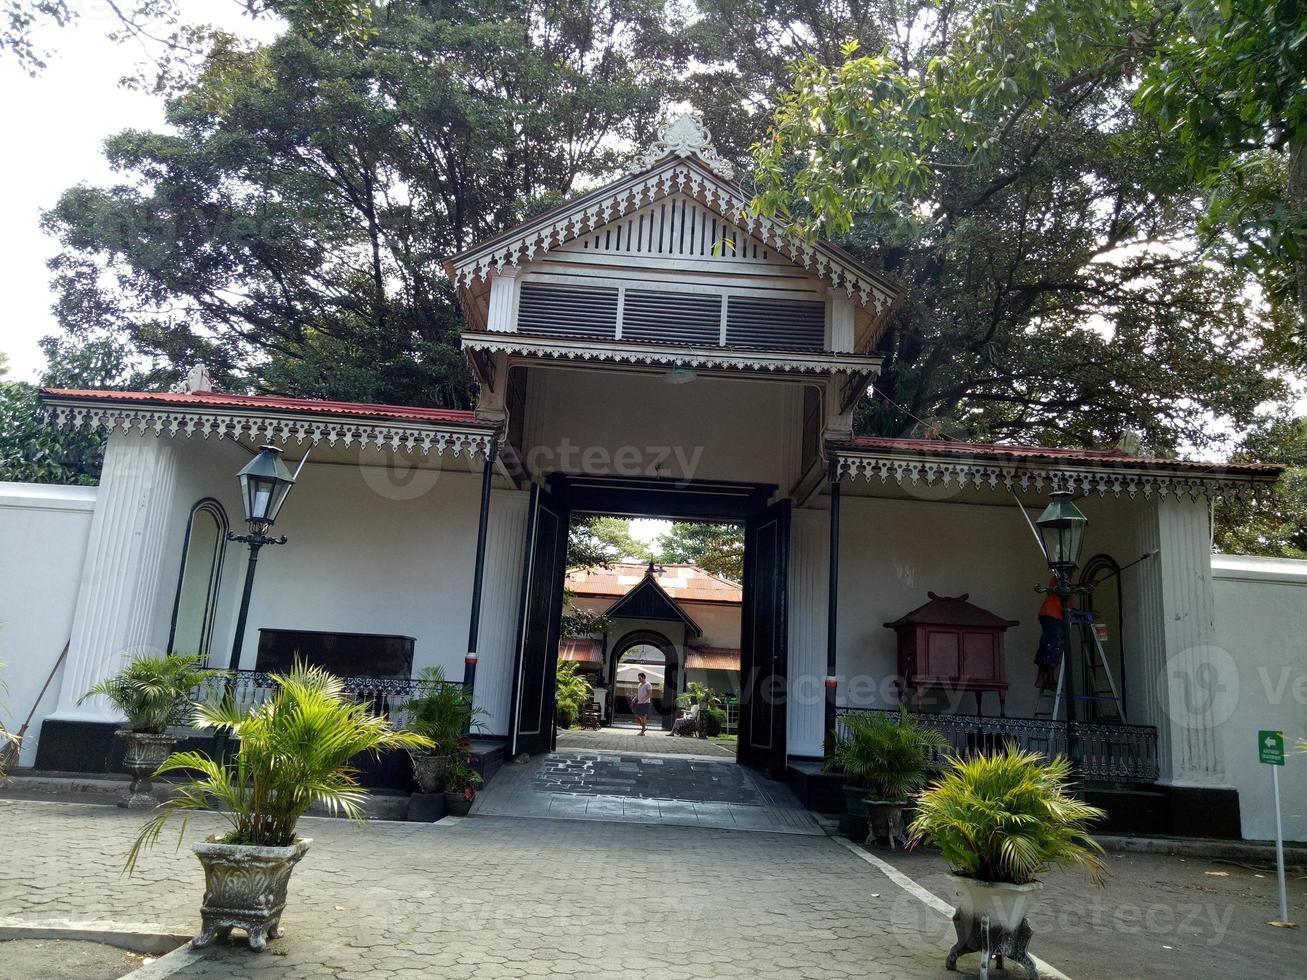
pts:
[54, 125]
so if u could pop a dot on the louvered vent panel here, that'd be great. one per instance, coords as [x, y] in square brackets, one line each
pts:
[567, 311]
[684, 318]
[776, 323]
[676, 227]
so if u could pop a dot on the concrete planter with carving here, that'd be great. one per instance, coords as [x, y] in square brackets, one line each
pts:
[990, 919]
[886, 822]
[245, 888]
[145, 752]
[429, 770]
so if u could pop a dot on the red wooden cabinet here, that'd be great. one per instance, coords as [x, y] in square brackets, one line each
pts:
[951, 645]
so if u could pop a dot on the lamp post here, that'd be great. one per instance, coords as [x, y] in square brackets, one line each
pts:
[1062, 534]
[265, 483]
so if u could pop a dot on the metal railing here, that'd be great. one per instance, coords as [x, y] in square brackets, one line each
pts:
[732, 724]
[383, 695]
[1108, 752]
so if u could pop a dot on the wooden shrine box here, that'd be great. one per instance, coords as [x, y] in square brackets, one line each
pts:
[949, 644]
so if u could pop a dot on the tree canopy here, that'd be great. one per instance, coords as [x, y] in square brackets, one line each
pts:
[991, 155]
[1096, 206]
[289, 230]
[716, 548]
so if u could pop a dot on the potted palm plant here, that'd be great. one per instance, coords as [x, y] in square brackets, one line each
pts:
[294, 750]
[154, 693]
[570, 693]
[886, 759]
[1000, 821]
[442, 715]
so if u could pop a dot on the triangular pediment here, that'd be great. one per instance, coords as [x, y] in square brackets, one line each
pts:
[649, 600]
[680, 170]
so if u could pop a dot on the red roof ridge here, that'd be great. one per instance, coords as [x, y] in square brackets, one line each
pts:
[218, 399]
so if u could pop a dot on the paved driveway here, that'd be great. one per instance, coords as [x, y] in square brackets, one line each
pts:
[487, 898]
[630, 741]
[664, 790]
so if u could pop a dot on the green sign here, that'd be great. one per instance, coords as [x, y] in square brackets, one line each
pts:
[1270, 748]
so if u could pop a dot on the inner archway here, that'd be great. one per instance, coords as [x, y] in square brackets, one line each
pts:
[653, 654]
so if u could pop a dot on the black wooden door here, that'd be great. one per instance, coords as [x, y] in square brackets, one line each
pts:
[532, 724]
[763, 635]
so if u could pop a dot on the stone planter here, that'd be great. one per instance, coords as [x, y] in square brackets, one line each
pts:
[885, 822]
[244, 888]
[429, 770]
[990, 919]
[144, 754]
[855, 800]
[456, 804]
[425, 807]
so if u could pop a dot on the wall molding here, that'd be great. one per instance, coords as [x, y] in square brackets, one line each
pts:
[269, 427]
[1041, 476]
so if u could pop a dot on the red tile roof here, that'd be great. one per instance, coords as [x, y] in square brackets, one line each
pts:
[581, 651]
[712, 658]
[684, 583]
[216, 399]
[940, 447]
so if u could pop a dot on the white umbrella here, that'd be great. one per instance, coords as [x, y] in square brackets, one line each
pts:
[630, 673]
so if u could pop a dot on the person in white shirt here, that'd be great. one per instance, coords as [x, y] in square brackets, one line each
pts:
[643, 702]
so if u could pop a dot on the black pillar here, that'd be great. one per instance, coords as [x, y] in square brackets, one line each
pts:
[478, 573]
[832, 610]
[1065, 591]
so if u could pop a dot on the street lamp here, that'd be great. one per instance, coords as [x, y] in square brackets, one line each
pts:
[1062, 530]
[1062, 535]
[265, 483]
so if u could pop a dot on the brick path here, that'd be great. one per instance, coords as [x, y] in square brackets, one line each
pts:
[489, 898]
[630, 741]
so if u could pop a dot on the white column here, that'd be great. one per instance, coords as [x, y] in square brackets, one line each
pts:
[807, 589]
[500, 598]
[1185, 685]
[119, 588]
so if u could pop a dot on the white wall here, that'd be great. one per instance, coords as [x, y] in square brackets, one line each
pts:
[371, 549]
[43, 535]
[612, 423]
[1261, 622]
[360, 561]
[892, 552]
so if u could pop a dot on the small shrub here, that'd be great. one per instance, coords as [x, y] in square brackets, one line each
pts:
[154, 691]
[443, 715]
[1006, 817]
[888, 755]
[572, 690]
[712, 720]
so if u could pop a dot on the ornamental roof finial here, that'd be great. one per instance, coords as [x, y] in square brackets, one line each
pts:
[196, 382]
[685, 135]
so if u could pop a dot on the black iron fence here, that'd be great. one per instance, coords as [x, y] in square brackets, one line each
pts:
[1108, 752]
[383, 695]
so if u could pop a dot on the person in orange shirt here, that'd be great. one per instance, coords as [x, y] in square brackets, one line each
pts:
[1052, 641]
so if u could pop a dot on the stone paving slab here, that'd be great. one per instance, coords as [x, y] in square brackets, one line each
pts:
[620, 789]
[630, 742]
[646, 777]
[487, 898]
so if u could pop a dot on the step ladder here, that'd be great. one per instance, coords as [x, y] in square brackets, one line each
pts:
[1103, 693]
